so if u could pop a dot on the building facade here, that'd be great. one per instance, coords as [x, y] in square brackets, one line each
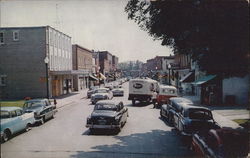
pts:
[83, 64]
[22, 62]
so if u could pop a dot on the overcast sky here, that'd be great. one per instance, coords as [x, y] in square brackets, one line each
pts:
[93, 24]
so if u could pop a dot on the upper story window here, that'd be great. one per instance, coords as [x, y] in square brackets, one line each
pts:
[3, 80]
[15, 35]
[1, 38]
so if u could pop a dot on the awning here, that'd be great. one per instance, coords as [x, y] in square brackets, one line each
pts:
[204, 79]
[102, 76]
[93, 78]
[70, 72]
[188, 78]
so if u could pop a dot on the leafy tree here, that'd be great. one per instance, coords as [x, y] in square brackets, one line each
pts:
[215, 33]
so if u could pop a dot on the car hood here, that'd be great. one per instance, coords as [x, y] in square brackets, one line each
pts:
[105, 113]
[34, 109]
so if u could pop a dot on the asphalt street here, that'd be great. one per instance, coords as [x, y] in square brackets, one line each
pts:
[144, 135]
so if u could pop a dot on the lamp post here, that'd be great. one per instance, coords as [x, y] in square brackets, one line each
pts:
[46, 61]
[169, 67]
[99, 76]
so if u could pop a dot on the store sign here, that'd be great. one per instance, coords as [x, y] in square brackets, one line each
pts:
[137, 85]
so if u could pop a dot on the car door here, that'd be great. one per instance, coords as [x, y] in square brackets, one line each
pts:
[177, 116]
[181, 120]
[124, 112]
[16, 122]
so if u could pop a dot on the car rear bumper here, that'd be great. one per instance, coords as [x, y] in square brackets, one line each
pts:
[103, 126]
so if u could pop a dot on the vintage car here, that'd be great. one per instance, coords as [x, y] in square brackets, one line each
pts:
[41, 108]
[118, 92]
[110, 85]
[108, 114]
[221, 143]
[42, 101]
[163, 94]
[101, 94]
[91, 91]
[190, 119]
[14, 120]
[172, 107]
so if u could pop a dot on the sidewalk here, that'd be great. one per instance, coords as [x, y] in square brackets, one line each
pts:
[224, 115]
[71, 98]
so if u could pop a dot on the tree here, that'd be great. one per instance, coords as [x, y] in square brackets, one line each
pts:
[215, 33]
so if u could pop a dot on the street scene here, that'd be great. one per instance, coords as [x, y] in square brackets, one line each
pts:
[124, 79]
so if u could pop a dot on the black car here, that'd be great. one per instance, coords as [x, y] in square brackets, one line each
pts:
[221, 143]
[174, 106]
[108, 114]
[191, 119]
[42, 109]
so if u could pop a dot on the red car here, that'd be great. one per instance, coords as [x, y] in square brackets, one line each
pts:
[221, 143]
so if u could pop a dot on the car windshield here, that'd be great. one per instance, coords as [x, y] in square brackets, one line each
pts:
[33, 104]
[200, 114]
[101, 91]
[4, 114]
[111, 107]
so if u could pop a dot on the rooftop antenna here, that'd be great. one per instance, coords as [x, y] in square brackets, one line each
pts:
[57, 22]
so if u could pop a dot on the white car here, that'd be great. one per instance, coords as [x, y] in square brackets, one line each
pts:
[118, 92]
[101, 94]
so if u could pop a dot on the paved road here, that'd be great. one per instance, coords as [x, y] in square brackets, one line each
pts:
[145, 135]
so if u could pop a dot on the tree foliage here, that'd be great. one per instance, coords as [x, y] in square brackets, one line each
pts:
[214, 32]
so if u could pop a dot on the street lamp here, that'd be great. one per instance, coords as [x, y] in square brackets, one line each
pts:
[99, 76]
[169, 67]
[46, 61]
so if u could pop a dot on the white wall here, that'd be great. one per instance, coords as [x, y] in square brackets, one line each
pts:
[60, 51]
[238, 87]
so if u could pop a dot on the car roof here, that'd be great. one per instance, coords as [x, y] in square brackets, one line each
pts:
[10, 108]
[166, 86]
[181, 100]
[196, 107]
[38, 99]
[114, 102]
[103, 88]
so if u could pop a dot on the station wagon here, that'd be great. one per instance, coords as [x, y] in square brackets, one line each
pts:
[14, 120]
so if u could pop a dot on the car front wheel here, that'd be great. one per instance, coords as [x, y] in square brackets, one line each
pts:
[28, 127]
[6, 135]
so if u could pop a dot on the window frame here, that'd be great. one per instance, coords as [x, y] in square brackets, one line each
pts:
[16, 32]
[3, 80]
[2, 39]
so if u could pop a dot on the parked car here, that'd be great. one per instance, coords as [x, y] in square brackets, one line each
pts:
[118, 92]
[91, 91]
[42, 110]
[163, 94]
[172, 107]
[110, 85]
[101, 94]
[42, 101]
[108, 114]
[191, 119]
[221, 143]
[13, 120]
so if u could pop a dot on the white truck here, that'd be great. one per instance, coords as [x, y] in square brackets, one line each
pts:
[142, 89]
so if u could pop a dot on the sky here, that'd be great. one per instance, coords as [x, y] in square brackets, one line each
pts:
[93, 24]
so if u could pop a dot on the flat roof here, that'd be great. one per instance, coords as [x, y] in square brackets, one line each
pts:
[34, 27]
[9, 108]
